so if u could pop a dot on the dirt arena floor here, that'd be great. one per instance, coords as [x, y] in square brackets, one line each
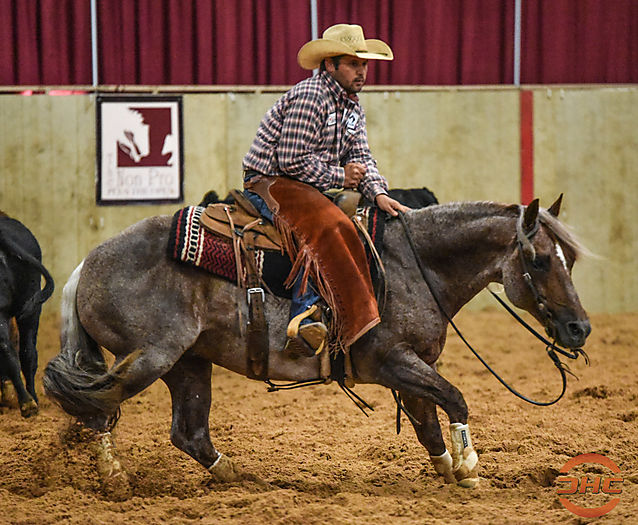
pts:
[315, 458]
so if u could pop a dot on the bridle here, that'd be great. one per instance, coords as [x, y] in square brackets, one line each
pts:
[524, 245]
[527, 252]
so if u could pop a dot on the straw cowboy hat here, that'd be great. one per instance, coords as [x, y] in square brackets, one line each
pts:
[342, 39]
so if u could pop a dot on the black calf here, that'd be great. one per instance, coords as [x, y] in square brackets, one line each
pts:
[21, 297]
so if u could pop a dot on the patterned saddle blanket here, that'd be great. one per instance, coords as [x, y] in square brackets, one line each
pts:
[192, 244]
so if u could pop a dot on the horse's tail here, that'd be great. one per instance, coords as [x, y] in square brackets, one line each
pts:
[77, 378]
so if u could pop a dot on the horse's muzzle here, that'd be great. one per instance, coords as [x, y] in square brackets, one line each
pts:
[571, 334]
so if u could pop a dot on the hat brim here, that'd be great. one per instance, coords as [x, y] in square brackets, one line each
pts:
[312, 53]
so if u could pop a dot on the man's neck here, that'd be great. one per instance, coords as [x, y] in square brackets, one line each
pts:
[338, 88]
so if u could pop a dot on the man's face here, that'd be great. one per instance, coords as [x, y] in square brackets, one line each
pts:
[351, 72]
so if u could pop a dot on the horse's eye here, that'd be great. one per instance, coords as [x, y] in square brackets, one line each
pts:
[541, 263]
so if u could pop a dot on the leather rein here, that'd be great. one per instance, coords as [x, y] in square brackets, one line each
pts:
[551, 348]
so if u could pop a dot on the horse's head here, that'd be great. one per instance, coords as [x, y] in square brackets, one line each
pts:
[537, 275]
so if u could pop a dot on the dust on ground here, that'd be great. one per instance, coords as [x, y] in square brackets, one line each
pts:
[317, 459]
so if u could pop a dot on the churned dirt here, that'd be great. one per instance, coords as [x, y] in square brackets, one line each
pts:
[315, 458]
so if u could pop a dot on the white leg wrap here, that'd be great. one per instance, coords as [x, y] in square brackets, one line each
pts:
[443, 466]
[464, 457]
[113, 477]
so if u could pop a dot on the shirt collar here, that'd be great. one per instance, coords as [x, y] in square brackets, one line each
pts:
[335, 88]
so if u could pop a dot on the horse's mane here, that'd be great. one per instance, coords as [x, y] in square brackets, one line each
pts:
[448, 213]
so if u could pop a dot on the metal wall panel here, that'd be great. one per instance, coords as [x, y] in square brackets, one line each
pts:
[462, 144]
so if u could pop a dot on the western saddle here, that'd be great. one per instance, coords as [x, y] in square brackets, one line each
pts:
[249, 232]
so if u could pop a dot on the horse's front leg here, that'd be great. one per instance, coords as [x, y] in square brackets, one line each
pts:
[422, 388]
[428, 430]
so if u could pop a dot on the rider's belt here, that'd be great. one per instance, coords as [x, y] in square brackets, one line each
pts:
[249, 174]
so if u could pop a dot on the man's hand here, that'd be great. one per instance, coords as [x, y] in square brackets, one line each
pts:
[389, 205]
[354, 172]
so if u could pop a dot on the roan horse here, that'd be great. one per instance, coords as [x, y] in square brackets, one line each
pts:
[163, 320]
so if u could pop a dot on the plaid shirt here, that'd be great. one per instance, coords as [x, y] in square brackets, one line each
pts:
[310, 133]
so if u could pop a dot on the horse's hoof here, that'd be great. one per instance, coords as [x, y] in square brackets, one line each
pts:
[468, 483]
[443, 466]
[224, 470]
[467, 473]
[117, 488]
[29, 409]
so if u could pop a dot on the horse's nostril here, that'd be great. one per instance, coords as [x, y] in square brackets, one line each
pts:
[574, 329]
[579, 328]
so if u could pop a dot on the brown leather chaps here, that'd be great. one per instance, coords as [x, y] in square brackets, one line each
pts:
[321, 240]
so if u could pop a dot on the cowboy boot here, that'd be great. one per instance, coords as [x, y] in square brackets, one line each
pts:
[306, 340]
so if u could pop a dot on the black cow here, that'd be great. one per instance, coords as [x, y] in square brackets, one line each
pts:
[211, 197]
[414, 198]
[21, 297]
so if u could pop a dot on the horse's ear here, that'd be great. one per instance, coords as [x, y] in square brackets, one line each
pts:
[554, 209]
[531, 214]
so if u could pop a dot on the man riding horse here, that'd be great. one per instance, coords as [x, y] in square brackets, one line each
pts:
[314, 139]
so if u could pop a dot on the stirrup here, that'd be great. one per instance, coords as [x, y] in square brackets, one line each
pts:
[307, 340]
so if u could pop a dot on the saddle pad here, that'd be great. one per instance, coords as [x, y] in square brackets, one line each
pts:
[190, 243]
[374, 221]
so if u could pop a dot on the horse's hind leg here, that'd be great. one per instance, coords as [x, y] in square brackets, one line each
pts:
[422, 389]
[126, 378]
[189, 384]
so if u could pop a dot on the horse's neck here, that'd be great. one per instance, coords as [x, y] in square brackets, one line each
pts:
[461, 245]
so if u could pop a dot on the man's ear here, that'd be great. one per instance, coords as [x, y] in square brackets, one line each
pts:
[330, 66]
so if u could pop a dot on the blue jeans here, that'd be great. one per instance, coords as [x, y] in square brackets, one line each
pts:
[300, 302]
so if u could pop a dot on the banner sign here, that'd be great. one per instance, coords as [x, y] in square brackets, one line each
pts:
[139, 150]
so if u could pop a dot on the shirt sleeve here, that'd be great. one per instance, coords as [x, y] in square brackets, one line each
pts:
[373, 183]
[301, 130]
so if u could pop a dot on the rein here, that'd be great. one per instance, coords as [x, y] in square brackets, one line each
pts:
[551, 348]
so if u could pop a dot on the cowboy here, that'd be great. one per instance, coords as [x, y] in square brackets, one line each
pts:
[314, 139]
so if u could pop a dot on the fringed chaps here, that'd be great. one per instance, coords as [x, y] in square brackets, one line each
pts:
[321, 240]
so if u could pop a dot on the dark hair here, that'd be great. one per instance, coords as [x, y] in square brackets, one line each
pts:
[335, 61]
